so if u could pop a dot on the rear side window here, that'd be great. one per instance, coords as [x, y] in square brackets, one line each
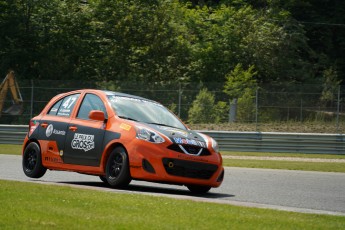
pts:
[53, 110]
[64, 106]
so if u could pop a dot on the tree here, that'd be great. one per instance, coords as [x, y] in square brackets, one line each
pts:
[204, 109]
[238, 80]
[240, 85]
[330, 86]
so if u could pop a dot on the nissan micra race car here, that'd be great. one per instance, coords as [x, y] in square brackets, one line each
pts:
[119, 137]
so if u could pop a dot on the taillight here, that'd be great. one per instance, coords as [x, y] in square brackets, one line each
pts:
[32, 126]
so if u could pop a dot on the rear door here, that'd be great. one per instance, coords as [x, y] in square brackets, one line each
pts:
[53, 125]
[84, 137]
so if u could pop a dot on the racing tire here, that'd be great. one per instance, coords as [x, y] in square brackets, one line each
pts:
[32, 161]
[104, 179]
[117, 168]
[196, 189]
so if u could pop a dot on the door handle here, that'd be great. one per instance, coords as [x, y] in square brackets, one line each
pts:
[73, 128]
[44, 125]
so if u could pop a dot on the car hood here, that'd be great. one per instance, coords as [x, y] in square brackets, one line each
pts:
[183, 137]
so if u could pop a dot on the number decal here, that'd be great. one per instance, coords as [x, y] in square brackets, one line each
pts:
[70, 101]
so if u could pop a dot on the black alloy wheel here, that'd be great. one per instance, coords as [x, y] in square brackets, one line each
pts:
[117, 168]
[104, 179]
[32, 161]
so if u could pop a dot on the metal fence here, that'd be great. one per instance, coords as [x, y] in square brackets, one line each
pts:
[236, 141]
[261, 105]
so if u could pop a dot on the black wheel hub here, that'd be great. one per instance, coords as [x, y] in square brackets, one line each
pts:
[31, 160]
[116, 166]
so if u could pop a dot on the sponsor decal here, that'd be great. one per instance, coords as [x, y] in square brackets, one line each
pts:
[186, 141]
[186, 157]
[125, 126]
[83, 142]
[53, 159]
[116, 99]
[50, 130]
[59, 132]
[135, 166]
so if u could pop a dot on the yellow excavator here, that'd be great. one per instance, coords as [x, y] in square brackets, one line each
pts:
[10, 83]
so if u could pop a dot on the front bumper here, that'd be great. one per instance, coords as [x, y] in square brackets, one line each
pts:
[158, 163]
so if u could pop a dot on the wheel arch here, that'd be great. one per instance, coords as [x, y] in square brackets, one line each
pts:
[107, 152]
[30, 141]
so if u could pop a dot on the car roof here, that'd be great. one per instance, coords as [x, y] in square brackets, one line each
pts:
[112, 93]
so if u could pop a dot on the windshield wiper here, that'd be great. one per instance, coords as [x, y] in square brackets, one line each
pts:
[154, 123]
[127, 118]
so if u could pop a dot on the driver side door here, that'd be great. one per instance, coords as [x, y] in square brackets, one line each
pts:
[84, 138]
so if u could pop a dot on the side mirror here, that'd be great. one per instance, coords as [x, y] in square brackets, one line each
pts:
[97, 115]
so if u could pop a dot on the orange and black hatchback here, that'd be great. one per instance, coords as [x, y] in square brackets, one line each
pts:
[119, 137]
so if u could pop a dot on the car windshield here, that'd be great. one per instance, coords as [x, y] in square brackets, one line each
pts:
[142, 110]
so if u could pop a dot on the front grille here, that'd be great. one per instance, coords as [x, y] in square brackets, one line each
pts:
[190, 149]
[189, 169]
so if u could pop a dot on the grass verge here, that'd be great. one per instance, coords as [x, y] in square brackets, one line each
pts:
[25, 205]
[11, 149]
[300, 155]
[306, 166]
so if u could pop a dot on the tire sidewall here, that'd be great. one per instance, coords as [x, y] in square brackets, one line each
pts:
[123, 179]
[38, 170]
[198, 189]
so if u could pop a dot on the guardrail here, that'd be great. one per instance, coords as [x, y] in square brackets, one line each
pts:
[279, 142]
[236, 141]
[13, 134]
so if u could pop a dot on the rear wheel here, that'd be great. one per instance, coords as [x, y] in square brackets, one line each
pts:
[32, 161]
[104, 179]
[196, 189]
[117, 168]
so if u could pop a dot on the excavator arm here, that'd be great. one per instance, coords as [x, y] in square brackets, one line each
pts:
[10, 83]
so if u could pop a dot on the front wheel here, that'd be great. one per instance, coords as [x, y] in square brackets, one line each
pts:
[117, 168]
[196, 189]
[32, 161]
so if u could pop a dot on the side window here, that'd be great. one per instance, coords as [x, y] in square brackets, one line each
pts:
[65, 106]
[90, 102]
[53, 110]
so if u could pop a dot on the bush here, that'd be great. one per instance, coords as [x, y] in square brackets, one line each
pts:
[204, 109]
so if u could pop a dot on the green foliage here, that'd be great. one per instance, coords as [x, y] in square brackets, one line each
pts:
[330, 85]
[140, 40]
[239, 81]
[221, 110]
[204, 109]
[176, 41]
[246, 106]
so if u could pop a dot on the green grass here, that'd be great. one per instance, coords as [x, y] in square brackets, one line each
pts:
[28, 206]
[281, 164]
[290, 165]
[267, 154]
[11, 149]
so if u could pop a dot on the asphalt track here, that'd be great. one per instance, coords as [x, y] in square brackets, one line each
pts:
[297, 191]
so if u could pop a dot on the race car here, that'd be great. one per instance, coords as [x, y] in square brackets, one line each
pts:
[119, 137]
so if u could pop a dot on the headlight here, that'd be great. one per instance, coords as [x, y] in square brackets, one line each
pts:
[149, 135]
[215, 145]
